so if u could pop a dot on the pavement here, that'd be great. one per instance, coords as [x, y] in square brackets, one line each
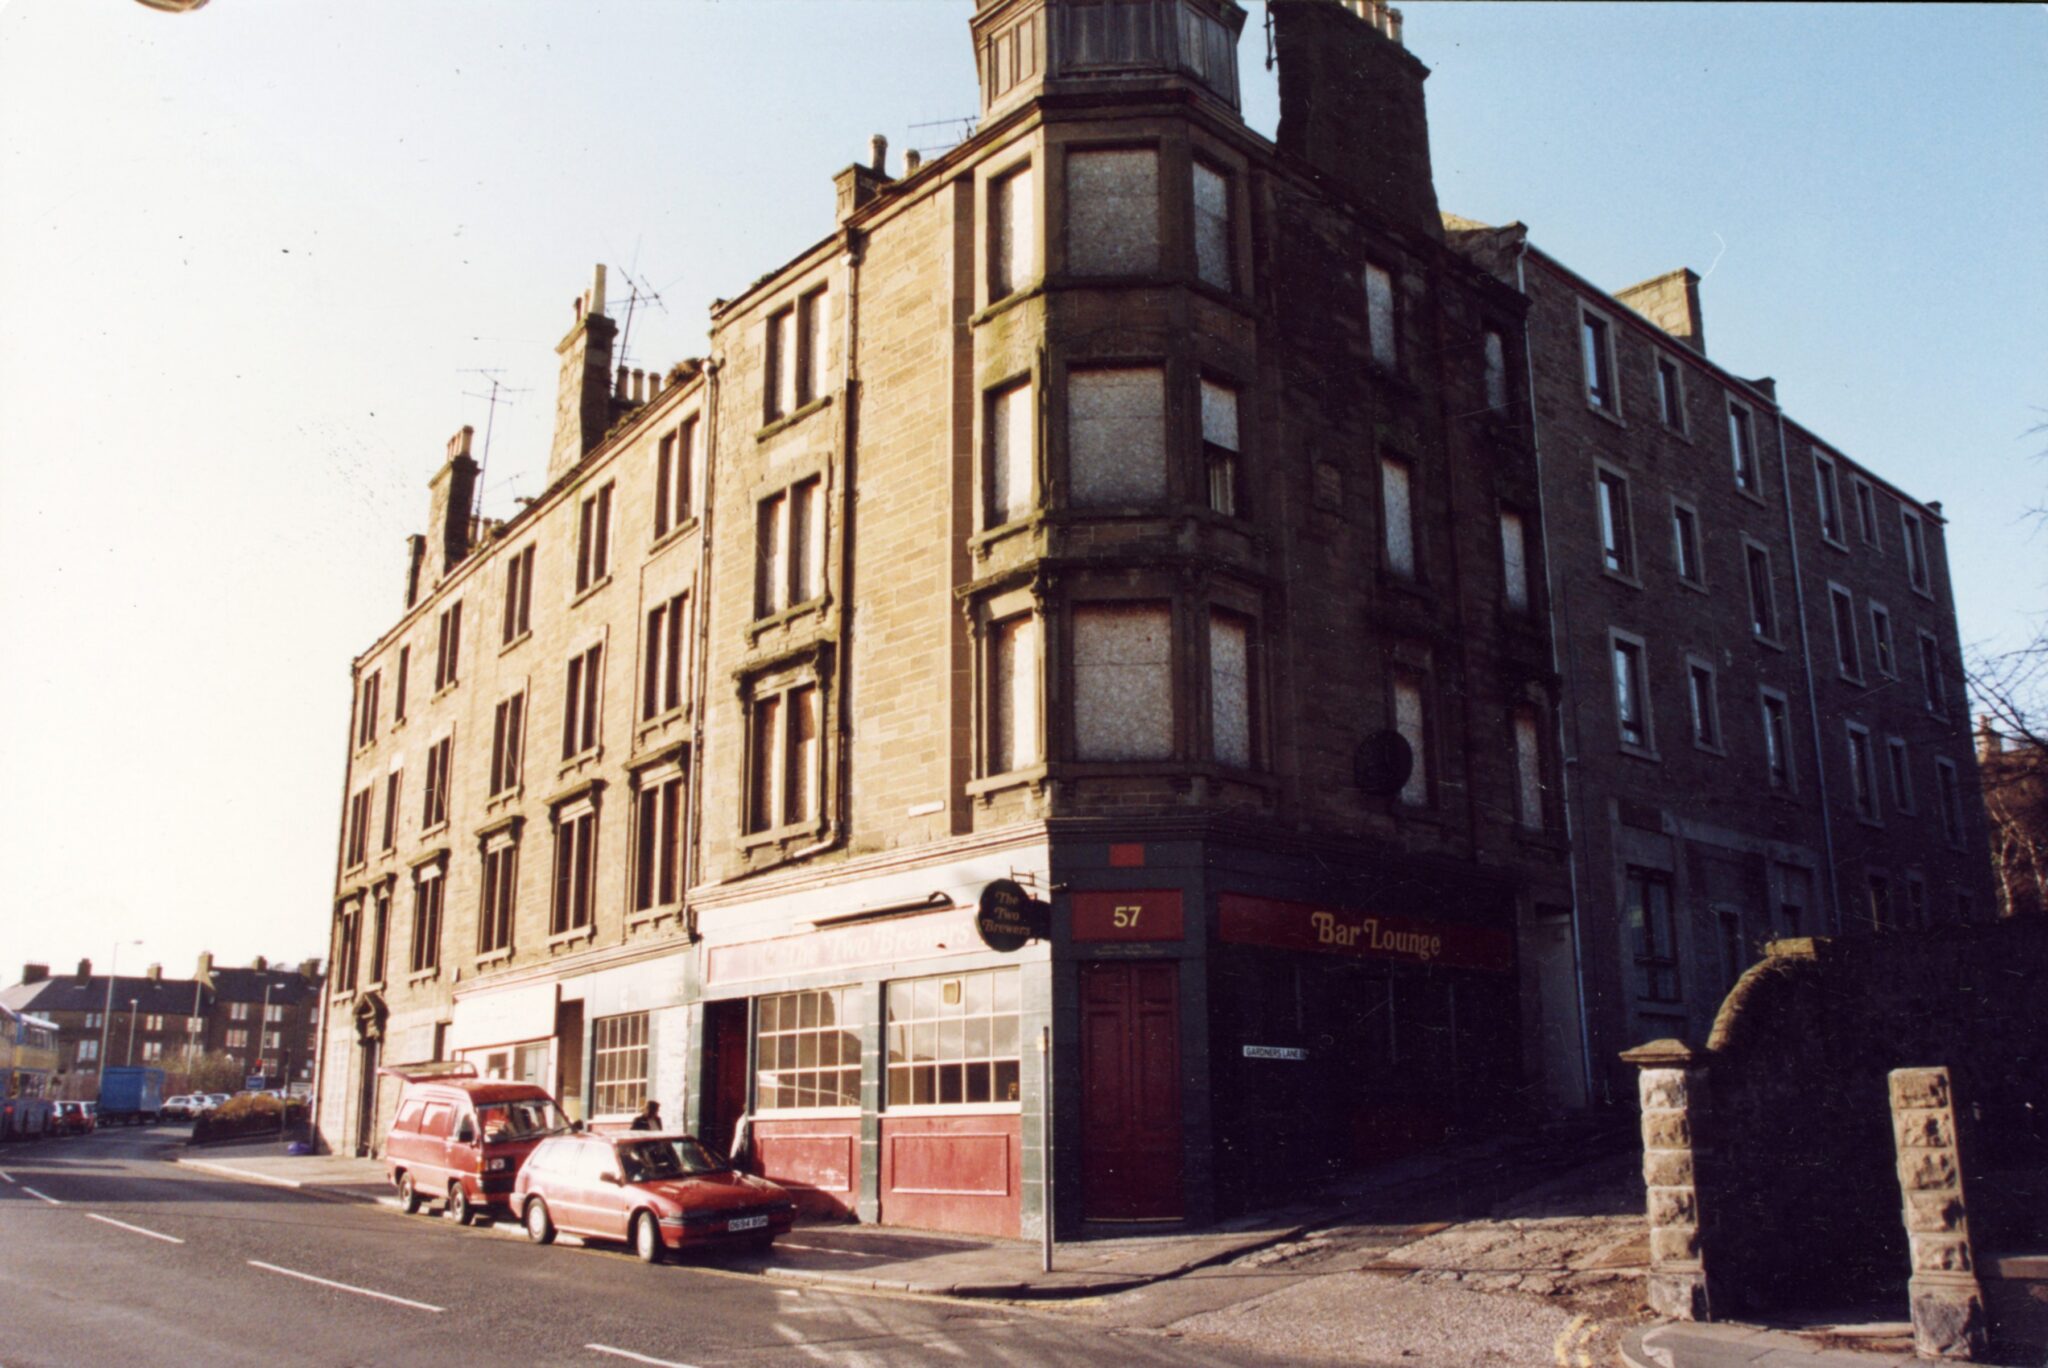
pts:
[1731, 1345]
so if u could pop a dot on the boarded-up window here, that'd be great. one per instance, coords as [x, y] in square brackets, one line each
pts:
[1220, 444]
[1123, 684]
[1113, 212]
[1010, 452]
[1013, 227]
[1399, 517]
[1212, 226]
[1379, 314]
[1230, 693]
[1528, 770]
[1514, 555]
[1013, 695]
[1412, 722]
[1116, 437]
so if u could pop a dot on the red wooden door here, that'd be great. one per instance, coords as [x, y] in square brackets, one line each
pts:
[1130, 1091]
[726, 1025]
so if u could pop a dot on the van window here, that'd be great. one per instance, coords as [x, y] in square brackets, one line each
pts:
[409, 1116]
[440, 1120]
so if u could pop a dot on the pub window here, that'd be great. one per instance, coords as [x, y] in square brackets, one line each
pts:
[500, 895]
[618, 1064]
[1011, 468]
[954, 1041]
[1220, 446]
[666, 677]
[1113, 212]
[807, 1050]
[675, 473]
[448, 653]
[1013, 233]
[658, 843]
[582, 699]
[1123, 682]
[1212, 226]
[1648, 900]
[518, 596]
[508, 743]
[428, 885]
[575, 868]
[1116, 437]
[1231, 713]
[1013, 694]
[594, 539]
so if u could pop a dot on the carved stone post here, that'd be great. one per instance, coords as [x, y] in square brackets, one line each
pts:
[1672, 1088]
[1948, 1304]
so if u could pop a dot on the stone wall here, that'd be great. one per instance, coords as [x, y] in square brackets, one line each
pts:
[1770, 1154]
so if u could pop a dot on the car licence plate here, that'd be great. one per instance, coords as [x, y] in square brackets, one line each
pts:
[747, 1223]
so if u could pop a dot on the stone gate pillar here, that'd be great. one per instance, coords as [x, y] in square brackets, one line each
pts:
[1672, 1087]
[1948, 1303]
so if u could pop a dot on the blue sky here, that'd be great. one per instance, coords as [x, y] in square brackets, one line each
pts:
[250, 256]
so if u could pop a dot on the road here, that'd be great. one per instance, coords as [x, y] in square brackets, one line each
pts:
[109, 1254]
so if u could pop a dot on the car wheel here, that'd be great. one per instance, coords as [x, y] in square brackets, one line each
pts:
[540, 1227]
[408, 1196]
[459, 1205]
[647, 1238]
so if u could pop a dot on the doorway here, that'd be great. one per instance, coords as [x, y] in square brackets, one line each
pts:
[366, 1103]
[1130, 1091]
[725, 1071]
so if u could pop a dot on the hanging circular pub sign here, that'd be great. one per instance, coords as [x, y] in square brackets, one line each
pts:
[1008, 916]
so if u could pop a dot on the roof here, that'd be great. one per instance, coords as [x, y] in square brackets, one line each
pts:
[70, 993]
[285, 987]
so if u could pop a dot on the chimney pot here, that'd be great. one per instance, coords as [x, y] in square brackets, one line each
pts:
[912, 159]
[85, 968]
[458, 445]
[259, 964]
[878, 154]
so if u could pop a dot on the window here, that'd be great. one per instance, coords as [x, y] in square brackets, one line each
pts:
[954, 1041]
[778, 388]
[152, 1050]
[1930, 674]
[1013, 674]
[594, 539]
[1670, 394]
[1777, 740]
[357, 850]
[398, 694]
[1116, 437]
[1411, 722]
[1494, 353]
[619, 1064]
[347, 952]
[427, 888]
[1123, 683]
[789, 545]
[1706, 707]
[807, 1050]
[366, 710]
[1617, 542]
[1949, 788]
[1013, 233]
[813, 345]
[508, 743]
[194, 1025]
[1685, 544]
[237, 1039]
[1631, 692]
[273, 1040]
[1514, 557]
[1220, 445]
[1862, 772]
[1380, 321]
[1914, 535]
[1212, 226]
[1596, 356]
[1012, 465]
[500, 895]
[1528, 770]
[380, 938]
[518, 596]
[582, 702]
[1881, 904]
[1398, 515]
[237, 1011]
[1230, 688]
[394, 785]
[1742, 450]
[783, 769]
[1866, 509]
[1848, 656]
[1763, 606]
[1916, 903]
[575, 868]
[795, 363]
[274, 1012]
[1648, 898]
[1901, 773]
[1113, 212]
[152, 1021]
[440, 778]
[675, 474]
[1881, 648]
[658, 842]
[448, 652]
[1827, 486]
[666, 682]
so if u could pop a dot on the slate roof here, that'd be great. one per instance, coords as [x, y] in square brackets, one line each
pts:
[288, 987]
[70, 993]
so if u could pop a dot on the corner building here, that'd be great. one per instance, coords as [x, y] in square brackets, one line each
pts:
[1110, 505]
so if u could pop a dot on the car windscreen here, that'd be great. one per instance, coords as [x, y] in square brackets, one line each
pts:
[503, 1123]
[650, 1161]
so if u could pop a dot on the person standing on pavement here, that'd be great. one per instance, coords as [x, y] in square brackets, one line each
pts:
[649, 1118]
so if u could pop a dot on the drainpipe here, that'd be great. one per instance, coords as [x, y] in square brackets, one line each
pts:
[1820, 758]
[713, 366]
[1565, 762]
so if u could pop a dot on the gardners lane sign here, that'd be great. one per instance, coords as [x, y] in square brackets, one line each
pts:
[1366, 935]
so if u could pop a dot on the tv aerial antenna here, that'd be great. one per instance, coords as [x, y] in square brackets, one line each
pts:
[637, 292]
[499, 389]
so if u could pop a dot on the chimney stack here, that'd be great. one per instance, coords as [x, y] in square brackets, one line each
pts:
[34, 973]
[1672, 302]
[155, 973]
[85, 968]
[859, 186]
[450, 494]
[259, 964]
[204, 973]
[415, 560]
[309, 969]
[583, 398]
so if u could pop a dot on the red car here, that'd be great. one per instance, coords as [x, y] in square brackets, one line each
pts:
[72, 1118]
[659, 1191]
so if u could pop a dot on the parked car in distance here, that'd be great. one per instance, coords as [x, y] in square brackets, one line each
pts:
[187, 1106]
[92, 1115]
[659, 1191]
[218, 1099]
[69, 1118]
[461, 1140]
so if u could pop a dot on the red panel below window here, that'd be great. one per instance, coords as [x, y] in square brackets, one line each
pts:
[953, 1173]
[815, 1160]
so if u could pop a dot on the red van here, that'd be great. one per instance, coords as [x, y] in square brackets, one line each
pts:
[460, 1140]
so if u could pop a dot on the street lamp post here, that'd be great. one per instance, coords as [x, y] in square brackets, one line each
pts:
[107, 1016]
[131, 1029]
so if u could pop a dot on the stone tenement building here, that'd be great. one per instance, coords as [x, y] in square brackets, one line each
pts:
[266, 1017]
[1121, 507]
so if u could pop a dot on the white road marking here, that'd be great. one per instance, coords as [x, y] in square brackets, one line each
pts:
[637, 1358]
[828, 1249]
[7, 1176]
[154, 1235]
[344, 1287]
[44, 1195]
